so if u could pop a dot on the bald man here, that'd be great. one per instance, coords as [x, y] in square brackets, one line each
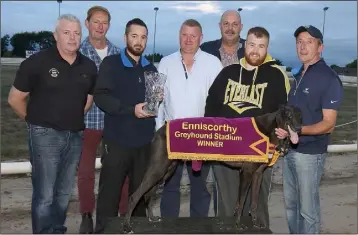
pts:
[230, 49]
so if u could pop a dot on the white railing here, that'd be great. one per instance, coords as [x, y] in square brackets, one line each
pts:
[10, 168]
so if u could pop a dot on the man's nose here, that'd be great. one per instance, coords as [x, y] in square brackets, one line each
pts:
[303, 46]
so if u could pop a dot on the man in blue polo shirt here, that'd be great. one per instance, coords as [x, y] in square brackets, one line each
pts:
[318, 92]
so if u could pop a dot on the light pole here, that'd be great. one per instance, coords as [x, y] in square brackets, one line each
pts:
[324, 22]
[59, 7]
[324, 18]
[155, 29]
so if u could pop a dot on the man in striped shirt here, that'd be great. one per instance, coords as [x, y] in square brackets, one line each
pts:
[96, 47]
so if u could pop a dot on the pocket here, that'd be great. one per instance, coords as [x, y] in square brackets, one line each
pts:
[38, 130]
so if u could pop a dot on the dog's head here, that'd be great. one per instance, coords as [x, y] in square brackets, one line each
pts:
[289, 118]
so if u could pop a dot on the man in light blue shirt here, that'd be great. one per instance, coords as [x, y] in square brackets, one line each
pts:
[190, 73]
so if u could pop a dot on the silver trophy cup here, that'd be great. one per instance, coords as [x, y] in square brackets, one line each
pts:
[154, 89]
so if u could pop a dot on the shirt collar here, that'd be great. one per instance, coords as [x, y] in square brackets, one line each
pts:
[127, 62]
[196, 55]
[87, 44]
[309, 66]
[58, 56]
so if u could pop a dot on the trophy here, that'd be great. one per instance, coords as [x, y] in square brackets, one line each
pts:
[154, 89]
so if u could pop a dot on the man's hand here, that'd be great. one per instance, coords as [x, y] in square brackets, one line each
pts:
[281, 133]
[139, 112]
[18, 101]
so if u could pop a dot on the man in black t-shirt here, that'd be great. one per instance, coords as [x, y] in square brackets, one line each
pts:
[59, 82]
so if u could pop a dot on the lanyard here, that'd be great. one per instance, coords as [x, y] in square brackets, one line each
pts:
[186, 74]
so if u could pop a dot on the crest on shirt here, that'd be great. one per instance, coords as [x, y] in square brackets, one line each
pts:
[241, 97]
[54, 72]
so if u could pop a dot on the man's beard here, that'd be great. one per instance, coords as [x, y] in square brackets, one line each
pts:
[134, 51]
[254, 62]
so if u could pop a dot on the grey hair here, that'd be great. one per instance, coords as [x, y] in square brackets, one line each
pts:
[68, 17]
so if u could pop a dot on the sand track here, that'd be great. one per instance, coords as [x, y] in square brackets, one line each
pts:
[338, 193]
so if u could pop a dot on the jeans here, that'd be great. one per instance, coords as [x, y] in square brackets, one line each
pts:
[199, 195]
[301, 179]
[54, 156]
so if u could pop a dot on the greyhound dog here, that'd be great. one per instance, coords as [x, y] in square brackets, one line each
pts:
[160, 168]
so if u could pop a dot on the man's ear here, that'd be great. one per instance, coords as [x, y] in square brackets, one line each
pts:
[87, 24]
[125, 39]
[55, 35]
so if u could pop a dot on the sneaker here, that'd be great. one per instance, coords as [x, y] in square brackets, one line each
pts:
[86, 226]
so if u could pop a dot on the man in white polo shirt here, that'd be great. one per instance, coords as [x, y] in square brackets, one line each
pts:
[190, 73]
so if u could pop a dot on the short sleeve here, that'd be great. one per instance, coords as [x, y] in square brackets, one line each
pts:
[333, 96]
[24, 76]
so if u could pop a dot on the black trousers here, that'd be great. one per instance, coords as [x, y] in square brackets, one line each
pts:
[117, 163]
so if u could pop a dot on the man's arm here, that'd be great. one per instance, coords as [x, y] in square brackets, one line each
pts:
[88, 103]
[214, 99]
[23, 83]
[103, 92]
[331, 101]
[282, 86]
[323, 127]
[18, 102]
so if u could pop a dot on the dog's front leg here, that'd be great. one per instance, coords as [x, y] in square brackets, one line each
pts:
[255, 189]
[149, 197]
[245, 181]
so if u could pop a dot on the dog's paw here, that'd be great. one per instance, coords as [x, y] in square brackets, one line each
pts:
[241, 226]
[155, 219]
[127, 228]
[257, 225]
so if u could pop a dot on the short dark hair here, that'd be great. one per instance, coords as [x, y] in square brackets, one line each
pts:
[135, 21]
[259, 32]
[193, 23]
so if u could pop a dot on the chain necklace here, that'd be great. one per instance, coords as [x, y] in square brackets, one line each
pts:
[299, 82]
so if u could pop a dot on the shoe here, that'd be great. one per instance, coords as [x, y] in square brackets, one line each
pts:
[86, 226]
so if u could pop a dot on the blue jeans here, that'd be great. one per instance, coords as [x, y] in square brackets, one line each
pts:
[199, 195]
[54, 156]
[301, 179]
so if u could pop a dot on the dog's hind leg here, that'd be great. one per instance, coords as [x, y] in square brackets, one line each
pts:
[149, 196]
[245, 181]
[151, 178]
[255, 189]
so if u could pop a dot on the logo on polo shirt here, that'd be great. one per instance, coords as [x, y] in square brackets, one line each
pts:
[54, 72]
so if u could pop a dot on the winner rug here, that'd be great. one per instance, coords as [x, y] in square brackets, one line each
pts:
[217, 139]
